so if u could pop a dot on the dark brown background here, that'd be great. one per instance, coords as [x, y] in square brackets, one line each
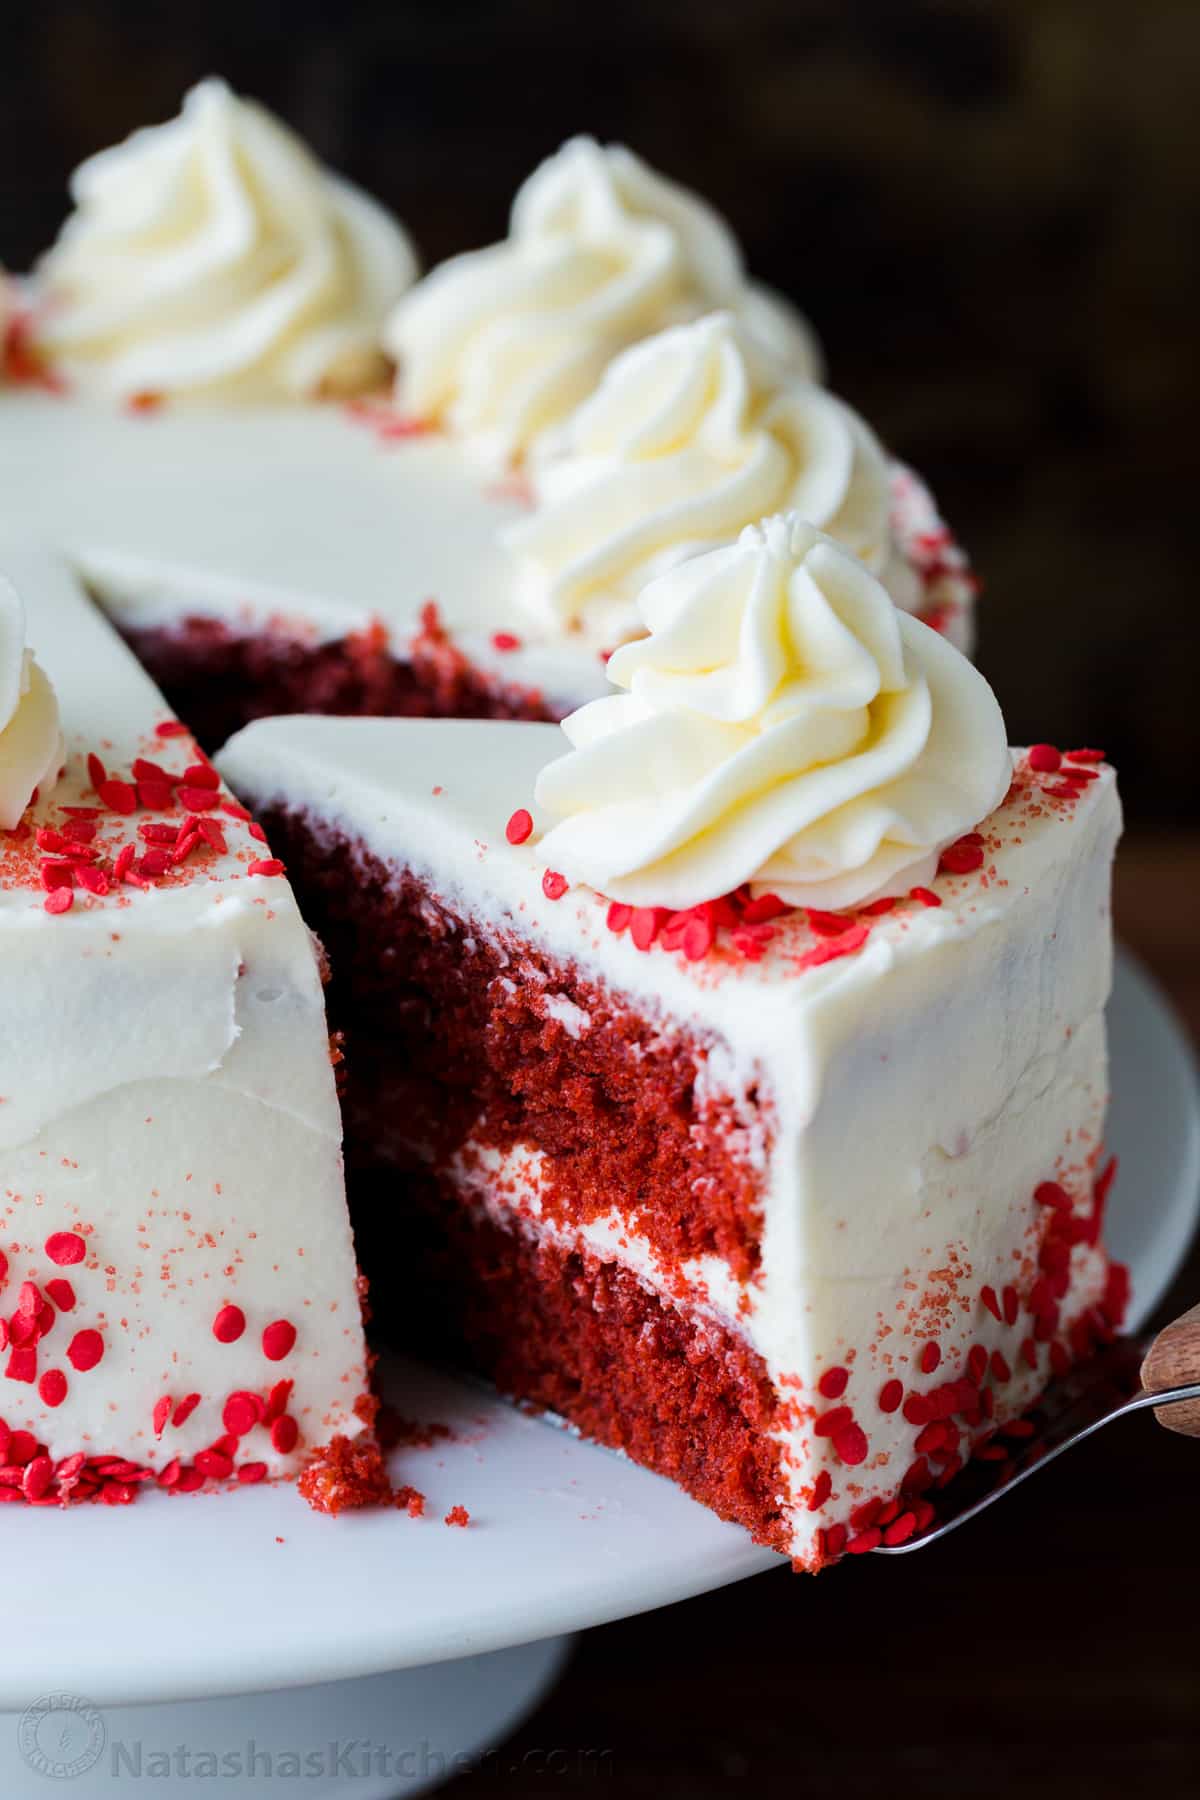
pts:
[990, 213]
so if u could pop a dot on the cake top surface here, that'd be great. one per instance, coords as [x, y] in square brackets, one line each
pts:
[444, 798]
[314, 522]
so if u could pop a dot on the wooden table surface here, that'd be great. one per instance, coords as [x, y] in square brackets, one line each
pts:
[1052, 1648]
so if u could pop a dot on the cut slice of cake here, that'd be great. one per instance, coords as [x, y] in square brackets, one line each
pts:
[180, 1298]
[746, 1088]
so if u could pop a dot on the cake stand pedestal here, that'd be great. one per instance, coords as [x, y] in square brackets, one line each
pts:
[383, 1737]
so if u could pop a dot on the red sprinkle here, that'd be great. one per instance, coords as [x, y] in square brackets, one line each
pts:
[554, 885]
[65, 1248]
[1051, 1193]
[62, 1293]
[1084, 756]
[931, 1356]
[851, 1445]
[618, 916]
[265, 865]
[1044, 759]
[1000, 1369]
[890, 1396]
[827, 924]
[37, 1479]
[242, 1413]
[832, 948]
[917, 1409]
[278, 1340]
[901, 1529]
[764, 909]
[866, 1540]
[925, 895]
[197, 799]
[162, 1414]
[60, 901]
[53, 1387]
[169, 728]
[229, 1324]
[838, 1418]
[85, 1350]
[988, 1297]
[505, 640]
[284, 1434]
[519, 827]
[118, 796]
[214, 1465]
[961, 858]
[833, 1383]
[252, 1472]
[185, 1409]
[645, 924]
[822, 1488]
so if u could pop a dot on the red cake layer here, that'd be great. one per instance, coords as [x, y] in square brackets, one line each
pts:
[568, 1333]
[219, 678]
[441, 1047]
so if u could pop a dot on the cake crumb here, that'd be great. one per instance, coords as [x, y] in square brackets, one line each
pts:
[458, 1515]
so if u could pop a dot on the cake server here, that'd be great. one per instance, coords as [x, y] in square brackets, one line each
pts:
[1160, 1370]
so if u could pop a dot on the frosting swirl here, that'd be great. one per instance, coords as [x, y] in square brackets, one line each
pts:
[501, 343]
[784, 725]
[214, 255]
[689, 437]
[31, 744]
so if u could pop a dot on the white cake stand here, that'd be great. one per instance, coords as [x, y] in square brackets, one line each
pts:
[377, 1654]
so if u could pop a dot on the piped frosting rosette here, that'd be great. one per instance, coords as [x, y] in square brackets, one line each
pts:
[214, 255]
[782, 725]
[691, 436]
[31, 743]
[500, 344]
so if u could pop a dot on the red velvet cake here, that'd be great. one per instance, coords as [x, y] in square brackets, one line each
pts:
[746, 1108]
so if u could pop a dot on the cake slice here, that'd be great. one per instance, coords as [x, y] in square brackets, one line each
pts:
[796, 1203]
[180, 1292]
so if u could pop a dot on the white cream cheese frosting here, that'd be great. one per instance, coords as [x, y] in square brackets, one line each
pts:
[690, 436]
[782, 724]
[499, 344]
[31, 743]
[214, 255]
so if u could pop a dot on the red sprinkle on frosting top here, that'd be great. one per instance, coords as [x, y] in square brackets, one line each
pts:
[65, 1248]
[278, 1340]
[229, 1324]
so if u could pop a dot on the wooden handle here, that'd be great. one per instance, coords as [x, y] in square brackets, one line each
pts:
[1173, 1360]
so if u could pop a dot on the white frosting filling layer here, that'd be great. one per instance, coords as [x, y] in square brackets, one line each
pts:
[167, 1097]
[919, 1089]
[213, 255]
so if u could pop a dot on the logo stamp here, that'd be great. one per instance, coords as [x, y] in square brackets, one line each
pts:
[61, 1736]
